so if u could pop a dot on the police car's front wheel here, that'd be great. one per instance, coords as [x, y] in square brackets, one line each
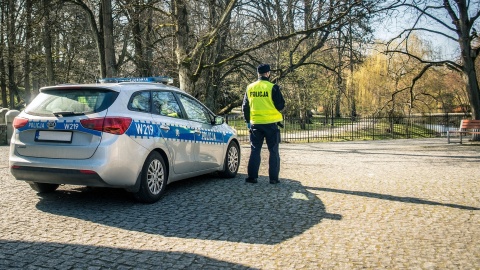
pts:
[153, 179]
[232, 161]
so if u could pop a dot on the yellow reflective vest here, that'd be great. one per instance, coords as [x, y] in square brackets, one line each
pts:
[262, 109]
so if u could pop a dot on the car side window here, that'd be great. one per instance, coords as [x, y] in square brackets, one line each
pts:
[140, 101]
[164, 103]
[195, 110]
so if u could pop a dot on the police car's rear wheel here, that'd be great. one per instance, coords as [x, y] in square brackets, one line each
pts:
[153, 179]
[232, 161]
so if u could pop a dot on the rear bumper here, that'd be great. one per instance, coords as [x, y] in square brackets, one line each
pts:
[115, 163]
[55, 176]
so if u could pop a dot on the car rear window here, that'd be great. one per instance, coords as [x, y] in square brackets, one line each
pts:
[71, 102]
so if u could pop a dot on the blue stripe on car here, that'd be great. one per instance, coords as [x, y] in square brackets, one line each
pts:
[139, 129]
[58, 125]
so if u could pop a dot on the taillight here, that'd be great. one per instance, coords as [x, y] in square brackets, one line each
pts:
[114, 125]
[19, 122]
[87, 172]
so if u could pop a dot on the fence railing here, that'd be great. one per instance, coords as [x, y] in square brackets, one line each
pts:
[317, 129]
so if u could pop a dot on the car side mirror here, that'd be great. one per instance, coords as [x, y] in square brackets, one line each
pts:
[219, 120]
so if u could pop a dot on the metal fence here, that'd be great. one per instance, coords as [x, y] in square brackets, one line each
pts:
[318, 129]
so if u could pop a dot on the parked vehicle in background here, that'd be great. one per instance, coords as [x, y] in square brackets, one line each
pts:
[137, 134]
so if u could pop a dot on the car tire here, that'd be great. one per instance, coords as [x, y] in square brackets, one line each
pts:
[43, 187]
[153, 179]
[232, 161]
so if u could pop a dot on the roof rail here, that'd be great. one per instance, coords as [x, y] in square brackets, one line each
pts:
[158, 79]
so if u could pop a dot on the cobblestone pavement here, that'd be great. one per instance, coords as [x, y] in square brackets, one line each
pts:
[398, 204]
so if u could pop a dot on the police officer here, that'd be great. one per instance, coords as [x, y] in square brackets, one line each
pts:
[261, 107]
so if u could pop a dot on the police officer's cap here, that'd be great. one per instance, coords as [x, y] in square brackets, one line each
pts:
[263, 68]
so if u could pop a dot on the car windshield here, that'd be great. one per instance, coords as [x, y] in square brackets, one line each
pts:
[67, 102]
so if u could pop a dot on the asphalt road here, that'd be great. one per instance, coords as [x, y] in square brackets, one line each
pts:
[397, 204]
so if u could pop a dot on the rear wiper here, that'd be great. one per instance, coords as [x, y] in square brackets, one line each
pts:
[67, 113]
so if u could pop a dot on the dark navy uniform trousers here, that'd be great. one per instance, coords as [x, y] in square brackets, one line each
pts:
[259, 133]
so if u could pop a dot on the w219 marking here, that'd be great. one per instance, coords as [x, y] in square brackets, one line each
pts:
[144, 129]
[71, 126]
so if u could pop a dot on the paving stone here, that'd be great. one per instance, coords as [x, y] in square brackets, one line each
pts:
[400, 204]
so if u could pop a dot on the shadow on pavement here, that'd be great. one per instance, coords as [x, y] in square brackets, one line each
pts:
[30, 255]
[201, 208]
[394, 198]
[392, 153]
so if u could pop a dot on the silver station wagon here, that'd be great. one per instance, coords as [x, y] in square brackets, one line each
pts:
[138, 135]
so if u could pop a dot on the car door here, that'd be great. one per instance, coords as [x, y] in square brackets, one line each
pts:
[176, 131]
[208, 138]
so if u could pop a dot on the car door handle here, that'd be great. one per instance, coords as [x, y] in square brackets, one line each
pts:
[198, 131]
[165, 127]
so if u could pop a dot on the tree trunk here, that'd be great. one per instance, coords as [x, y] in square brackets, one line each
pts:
[338, 97]
[28, 40]
[3, 72]
[182, 33]
[149, 44]
[139, 57]
[97, 33]
[353, 103]
[47, 43]
[11, 52]
[468, 57]
[110, 61]
[142, 32]
[215, 54]
[473, 93]
[340, 83]
[211, 89]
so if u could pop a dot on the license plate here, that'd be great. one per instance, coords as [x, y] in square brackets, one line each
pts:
[53, 136]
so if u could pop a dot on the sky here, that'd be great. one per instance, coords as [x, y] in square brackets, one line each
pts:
[447, 48]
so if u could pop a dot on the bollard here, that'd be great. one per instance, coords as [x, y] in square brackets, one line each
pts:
[3, 112]
[9, 116]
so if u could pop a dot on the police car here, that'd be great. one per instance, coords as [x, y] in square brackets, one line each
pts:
[138, 134]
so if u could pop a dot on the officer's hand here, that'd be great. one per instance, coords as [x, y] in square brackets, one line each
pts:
[248, 125]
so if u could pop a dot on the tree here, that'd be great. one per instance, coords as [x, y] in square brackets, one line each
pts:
[47, 41]
[11, 52]
[142, 34]
[211, 46]
[190, 55]
[452, 19]
[103, 34]
[106, 21]
[3, 72]
[384, 82]
[301, 28]
[28, 40]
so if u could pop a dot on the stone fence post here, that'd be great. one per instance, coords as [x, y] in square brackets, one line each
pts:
[9, 116]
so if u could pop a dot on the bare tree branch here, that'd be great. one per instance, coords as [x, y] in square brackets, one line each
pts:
[447, 63]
